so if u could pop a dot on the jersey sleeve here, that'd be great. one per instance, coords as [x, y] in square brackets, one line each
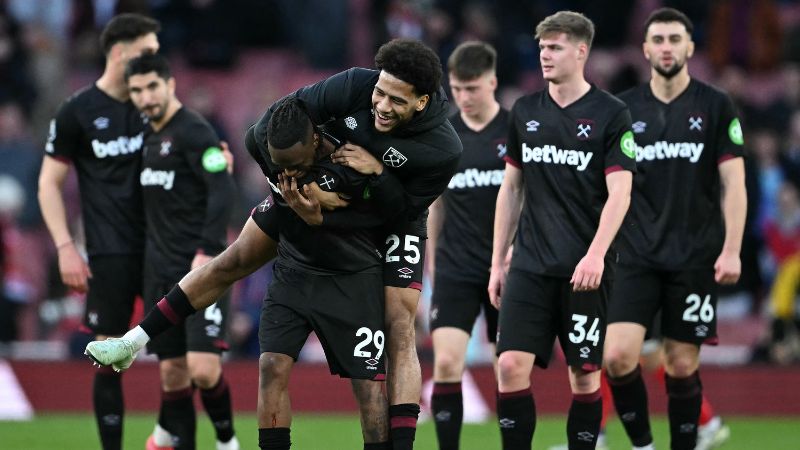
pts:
[64, 134]
[513, 154]
[619, 143]
[208, 163]
[729, 136]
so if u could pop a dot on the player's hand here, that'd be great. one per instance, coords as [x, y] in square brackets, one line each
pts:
[357, 158]
[200, 259]
[327, 200]
[727, 268]
[305, 204]
[497, 283]
[75, 272]
[226, 152]
[588, 273]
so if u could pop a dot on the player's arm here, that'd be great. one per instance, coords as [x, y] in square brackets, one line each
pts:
[589, 271]
[74, 270]
[435, 222]
[728, 266]
[506, 219]
[208, 162]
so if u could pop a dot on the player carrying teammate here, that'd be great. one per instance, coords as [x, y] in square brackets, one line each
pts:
[567, 185]
[684, 232]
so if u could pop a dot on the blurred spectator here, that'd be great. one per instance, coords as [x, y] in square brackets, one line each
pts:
[20, 159]
[16, 80]
[782, 236]
[746, 33]
[790, 157]
[765, 146]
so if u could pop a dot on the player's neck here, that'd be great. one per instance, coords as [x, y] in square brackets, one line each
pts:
[479, 120]
[113, 84]
[566, 93]
[668, 89]
[172, 109]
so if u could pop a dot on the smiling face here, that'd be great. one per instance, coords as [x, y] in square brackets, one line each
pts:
[667, 46]
[297, 159]
[473, 96]
[151, 94]
[394, 102]
[561, 58]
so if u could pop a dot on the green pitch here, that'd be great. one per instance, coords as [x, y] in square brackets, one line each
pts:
[330, 432]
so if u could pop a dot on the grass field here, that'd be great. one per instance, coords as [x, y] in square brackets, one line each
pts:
[329, 432]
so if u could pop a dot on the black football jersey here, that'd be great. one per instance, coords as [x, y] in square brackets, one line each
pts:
[103, 138]
[421, 156]
[675, 219]
[188, 193]
[565, 155]
[464, 249]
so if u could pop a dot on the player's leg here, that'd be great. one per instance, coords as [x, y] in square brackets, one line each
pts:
[350, 328]
[373, 407]
[205, 333]
[283, 330]
[274, 409]
[402, 271]
[526, 333]
[582, 334]
[113, 288]
[689, 320]
[449, 351]
[197, 290]
[454, 308]
[635, 299]
[177, 422]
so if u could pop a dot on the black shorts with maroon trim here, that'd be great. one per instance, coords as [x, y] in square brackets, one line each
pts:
[203, 331]
[687, 300]
[115, 283]
[346, 311]
[457, 304]
[535, 309]
[404, 260]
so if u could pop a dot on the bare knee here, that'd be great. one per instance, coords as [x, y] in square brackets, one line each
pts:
[274, 368]
[681, 359]
[512, 370]
[205, 376]
[174, 374]
[448, 365]
[582, 382]
[619, 360]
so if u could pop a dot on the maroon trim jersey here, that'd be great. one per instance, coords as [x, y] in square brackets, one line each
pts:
[565, 155]
[464, 250]
[103, 138]
[188, 193]
[675, 219]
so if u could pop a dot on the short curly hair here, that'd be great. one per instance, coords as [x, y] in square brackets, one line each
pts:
[413, 62]
[127, 27]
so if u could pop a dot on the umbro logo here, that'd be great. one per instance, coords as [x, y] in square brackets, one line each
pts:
[505, 422]
[639, 127]
[443, 416]
[434, 313]
[101, 123]
[350, 122]
[585, 352]
[393, 158]
[628, 416]
[586, 436]
[532, 125]
[701, 331]
[372, 362]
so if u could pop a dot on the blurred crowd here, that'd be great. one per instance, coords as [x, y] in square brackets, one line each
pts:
[234, 57]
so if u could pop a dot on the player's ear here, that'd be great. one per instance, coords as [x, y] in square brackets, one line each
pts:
[422, 102]
[583, 51]
[493, 82]
[171, 84]
[691, 48]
